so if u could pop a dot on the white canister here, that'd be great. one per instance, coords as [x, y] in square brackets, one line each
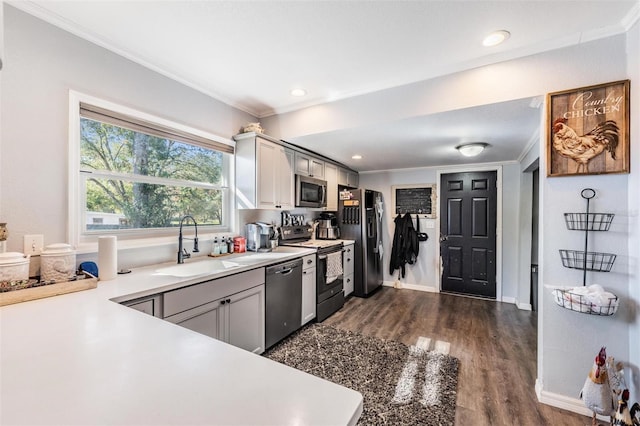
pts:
[14, 266]
[57, 263]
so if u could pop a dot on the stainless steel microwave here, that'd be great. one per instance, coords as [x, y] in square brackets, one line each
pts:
[310, 192]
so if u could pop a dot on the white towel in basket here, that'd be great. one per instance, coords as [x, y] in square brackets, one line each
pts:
[334, 266]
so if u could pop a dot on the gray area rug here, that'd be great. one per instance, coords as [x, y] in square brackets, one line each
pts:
[401, 385]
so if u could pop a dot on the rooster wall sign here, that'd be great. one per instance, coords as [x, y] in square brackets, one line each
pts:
[588, 130]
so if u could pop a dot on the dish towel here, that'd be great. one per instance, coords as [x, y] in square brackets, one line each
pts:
[334, 266]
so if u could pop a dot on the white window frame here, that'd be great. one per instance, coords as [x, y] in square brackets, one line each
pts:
[87, 242]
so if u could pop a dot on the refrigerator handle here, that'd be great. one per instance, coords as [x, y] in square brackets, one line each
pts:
[378, 227]
[372, 230]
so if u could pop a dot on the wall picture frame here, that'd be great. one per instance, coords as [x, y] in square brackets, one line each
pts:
[588, 130]
[418, 199]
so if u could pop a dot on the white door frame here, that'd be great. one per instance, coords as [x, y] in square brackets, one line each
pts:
[477, 168]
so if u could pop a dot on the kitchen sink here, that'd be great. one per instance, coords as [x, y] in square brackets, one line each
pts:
[198, 268]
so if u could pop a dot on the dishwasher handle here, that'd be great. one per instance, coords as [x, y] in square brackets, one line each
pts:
[284, 268]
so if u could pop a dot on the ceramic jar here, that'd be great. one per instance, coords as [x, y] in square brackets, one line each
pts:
[57, 263]
[14, 266]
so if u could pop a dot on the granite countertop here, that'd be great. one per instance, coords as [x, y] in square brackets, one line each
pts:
[81, 358]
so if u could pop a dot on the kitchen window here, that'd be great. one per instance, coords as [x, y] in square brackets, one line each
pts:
[137, 175]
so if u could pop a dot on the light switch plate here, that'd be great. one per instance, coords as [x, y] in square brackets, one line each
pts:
[33, 244]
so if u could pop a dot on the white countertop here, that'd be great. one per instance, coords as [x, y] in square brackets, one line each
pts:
[82, 359]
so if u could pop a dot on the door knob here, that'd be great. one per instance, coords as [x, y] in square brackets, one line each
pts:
[443, 237]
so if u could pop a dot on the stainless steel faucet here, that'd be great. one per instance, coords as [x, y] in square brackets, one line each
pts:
[182, 252]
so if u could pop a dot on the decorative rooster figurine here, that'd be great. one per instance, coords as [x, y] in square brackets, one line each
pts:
[624, 416]
[596, 392]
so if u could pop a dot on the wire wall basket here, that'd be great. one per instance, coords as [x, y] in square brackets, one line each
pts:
[580, 303]
[590, 261]
[593, 299]
[588, 221]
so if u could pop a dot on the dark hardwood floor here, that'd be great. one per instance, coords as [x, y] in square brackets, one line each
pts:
[495, 343]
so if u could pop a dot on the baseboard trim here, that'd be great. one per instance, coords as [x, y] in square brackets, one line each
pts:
[400, 285]
[524, 306]
[431, 289]
[511, 300]
[574, 405]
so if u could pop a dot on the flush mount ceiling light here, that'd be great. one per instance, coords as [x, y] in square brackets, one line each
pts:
[495, 38]
[472, 149]
[357, 157]
[298, 92]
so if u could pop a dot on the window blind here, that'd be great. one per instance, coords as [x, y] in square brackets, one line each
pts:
[138, 125]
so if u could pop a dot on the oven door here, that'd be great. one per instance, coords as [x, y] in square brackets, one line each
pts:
[310, 192]
[329, 276]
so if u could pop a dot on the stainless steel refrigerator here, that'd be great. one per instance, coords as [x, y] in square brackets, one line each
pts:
[360, 219]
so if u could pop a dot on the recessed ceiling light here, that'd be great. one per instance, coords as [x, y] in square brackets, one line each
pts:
[357, 157]
[496, 38]
[298, 92]
[472, 149]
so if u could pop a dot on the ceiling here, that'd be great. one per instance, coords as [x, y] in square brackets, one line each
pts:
[250, 54]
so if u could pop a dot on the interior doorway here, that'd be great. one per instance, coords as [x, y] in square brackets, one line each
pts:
[468, 224]
[535, 203]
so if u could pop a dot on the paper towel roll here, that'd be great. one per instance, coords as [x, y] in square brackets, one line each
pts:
[107, 258]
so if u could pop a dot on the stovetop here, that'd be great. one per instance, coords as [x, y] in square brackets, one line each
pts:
[301, 236]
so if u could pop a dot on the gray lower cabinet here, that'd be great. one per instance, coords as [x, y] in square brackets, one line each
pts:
[244, 320]
[150, 305]
[205, 319]
[230, 309]
[347, 261]
[308, 288]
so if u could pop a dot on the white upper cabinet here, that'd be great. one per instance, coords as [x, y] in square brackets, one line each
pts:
[348, 178]
[266, 169]
[331, 176]
[309, 166]
[264, 173]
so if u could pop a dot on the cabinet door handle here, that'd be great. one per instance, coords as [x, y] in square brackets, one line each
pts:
[309, 262]
[223, 302]
[228, 300]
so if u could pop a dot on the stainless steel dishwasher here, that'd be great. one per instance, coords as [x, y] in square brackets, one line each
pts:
[283, 300]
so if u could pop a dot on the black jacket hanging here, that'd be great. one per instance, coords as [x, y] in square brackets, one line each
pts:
[405, 244]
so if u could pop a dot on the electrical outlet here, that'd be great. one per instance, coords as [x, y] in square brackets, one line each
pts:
[33, 244]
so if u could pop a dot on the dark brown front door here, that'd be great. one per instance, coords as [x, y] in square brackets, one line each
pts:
[468, 233]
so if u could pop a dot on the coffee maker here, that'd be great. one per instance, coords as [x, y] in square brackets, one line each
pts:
[327, 227]
[261, 237]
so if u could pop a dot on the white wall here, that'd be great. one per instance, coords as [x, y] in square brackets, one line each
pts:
[41, 64]
[633, 69]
